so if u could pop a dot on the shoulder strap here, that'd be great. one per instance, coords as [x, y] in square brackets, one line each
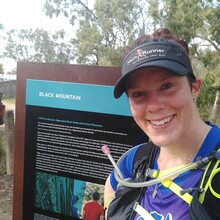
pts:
[142, 157]
[210, 197]
[212, 170]
[141, 164]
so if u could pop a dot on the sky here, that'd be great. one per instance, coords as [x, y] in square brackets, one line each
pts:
[26, 14]
[20, 14]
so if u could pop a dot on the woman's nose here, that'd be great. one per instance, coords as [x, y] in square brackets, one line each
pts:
[154, 102]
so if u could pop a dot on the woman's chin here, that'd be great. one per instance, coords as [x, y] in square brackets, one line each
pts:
[162, 140]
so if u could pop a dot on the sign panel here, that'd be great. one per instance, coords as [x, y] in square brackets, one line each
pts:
[66, 126]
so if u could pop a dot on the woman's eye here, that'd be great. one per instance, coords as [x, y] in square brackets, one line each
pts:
[137, 94]
[166, 86]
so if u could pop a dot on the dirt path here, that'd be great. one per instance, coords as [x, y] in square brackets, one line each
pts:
[6, 186]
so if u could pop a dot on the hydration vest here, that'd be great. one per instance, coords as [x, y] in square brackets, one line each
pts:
[204, 205]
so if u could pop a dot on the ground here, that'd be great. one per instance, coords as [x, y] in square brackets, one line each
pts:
[6, 186]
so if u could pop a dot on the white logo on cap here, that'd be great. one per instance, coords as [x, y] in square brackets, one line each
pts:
[143, 54]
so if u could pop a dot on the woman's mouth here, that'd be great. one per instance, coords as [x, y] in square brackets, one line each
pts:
[162, 122]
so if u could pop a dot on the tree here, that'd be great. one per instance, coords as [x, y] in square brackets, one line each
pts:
[101, 42]
[215, 116]
[38, 46]
[105, 30]
[207, 96]
[210, 58]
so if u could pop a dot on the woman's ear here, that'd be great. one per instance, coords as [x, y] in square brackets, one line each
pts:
[196, 88]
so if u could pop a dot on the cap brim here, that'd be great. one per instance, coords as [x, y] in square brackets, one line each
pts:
[173, 66]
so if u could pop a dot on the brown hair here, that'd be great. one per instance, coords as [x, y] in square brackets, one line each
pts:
[161, 33]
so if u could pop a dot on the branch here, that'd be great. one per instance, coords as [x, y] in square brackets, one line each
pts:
[90, 11]
[210, 41]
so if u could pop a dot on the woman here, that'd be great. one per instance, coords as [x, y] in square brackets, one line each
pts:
[158, 79]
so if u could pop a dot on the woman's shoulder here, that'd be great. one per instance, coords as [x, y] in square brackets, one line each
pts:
[211, 141]
[214, 133]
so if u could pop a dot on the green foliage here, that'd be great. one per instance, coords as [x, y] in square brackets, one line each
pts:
[103, 35]
[88, 51]
[72, 9]
[193, 19]
[2, 158]
[180, 16]
[38, 46]
[206, 98]
[210, 85]
[105, 30]
[216, 74]
[213, 19]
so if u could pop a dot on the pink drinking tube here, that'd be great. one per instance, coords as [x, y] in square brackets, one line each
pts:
[107, 152]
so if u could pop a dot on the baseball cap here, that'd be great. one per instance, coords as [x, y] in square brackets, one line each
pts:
[155, 52]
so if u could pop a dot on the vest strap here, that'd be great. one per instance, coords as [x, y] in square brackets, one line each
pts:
[177, 189]
[208, 184]
[143, 212]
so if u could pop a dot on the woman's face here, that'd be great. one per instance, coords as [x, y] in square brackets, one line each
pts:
[162, 104]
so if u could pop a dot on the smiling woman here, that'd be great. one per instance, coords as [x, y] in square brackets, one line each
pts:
[158, 79]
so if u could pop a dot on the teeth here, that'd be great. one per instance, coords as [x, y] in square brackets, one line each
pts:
[162, 122]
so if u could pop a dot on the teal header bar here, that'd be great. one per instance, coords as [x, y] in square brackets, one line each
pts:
[76, 96]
